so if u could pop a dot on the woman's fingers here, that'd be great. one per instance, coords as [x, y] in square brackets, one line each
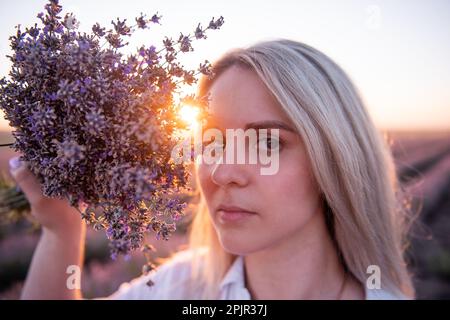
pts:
[55, 214]
[25, 180]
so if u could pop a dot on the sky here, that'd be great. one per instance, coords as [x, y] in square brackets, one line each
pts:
[395, 51]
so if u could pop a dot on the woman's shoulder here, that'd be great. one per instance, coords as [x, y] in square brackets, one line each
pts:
[171, 280]
[384, 294]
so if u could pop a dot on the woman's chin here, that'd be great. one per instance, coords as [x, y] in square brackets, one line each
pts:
[237, 245]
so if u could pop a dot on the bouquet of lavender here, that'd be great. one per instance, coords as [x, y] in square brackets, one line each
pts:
[97, 127]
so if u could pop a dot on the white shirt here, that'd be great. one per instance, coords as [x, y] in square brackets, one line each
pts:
[172, 281]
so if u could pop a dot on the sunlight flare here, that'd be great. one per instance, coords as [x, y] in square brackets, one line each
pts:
[190, 115]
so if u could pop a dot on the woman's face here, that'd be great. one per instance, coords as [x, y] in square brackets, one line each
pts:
[280, 204]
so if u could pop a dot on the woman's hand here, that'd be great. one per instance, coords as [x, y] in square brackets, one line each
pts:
[61, 244]
[55, 215]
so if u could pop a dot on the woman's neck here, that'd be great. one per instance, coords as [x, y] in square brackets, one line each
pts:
[304, 266]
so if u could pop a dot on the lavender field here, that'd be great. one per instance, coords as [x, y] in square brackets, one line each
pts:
[423, 165]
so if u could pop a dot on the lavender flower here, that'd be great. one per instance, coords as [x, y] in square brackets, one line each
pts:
[98, 128]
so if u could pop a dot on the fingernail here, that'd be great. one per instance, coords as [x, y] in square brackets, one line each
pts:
[14, 163]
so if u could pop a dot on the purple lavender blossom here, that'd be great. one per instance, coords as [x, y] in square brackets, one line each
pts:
[98, 128]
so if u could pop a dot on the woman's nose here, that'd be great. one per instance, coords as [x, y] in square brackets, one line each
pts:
[224, 174]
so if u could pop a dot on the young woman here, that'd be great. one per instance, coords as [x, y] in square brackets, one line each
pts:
[328, 221]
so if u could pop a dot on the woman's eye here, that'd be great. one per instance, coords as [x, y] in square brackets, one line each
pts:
[269, 143]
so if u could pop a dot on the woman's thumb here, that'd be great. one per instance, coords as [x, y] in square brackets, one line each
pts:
[25, 179]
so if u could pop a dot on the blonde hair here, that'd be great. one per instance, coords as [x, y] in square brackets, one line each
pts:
[351, 163]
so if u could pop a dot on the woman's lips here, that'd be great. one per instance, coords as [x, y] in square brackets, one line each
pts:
[233, 214]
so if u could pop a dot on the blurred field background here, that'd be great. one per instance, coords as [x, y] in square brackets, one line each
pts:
[423, 165]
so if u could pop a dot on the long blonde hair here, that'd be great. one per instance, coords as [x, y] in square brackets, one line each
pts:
[351, 162]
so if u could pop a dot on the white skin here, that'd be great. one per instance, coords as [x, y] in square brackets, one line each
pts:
[287, 249]
[285, 239]
[61, 243]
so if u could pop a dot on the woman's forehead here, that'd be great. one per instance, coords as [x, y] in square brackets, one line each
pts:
[239, 96]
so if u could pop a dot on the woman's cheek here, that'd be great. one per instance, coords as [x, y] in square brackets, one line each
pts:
[203, 175]
[290, 187]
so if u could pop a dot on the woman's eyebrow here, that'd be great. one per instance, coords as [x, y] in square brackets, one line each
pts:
[269, 124]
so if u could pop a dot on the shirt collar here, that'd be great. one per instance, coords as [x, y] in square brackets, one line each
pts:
[235, 274]
[234, 281]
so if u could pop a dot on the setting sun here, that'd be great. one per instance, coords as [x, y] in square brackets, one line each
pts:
[190, 114]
